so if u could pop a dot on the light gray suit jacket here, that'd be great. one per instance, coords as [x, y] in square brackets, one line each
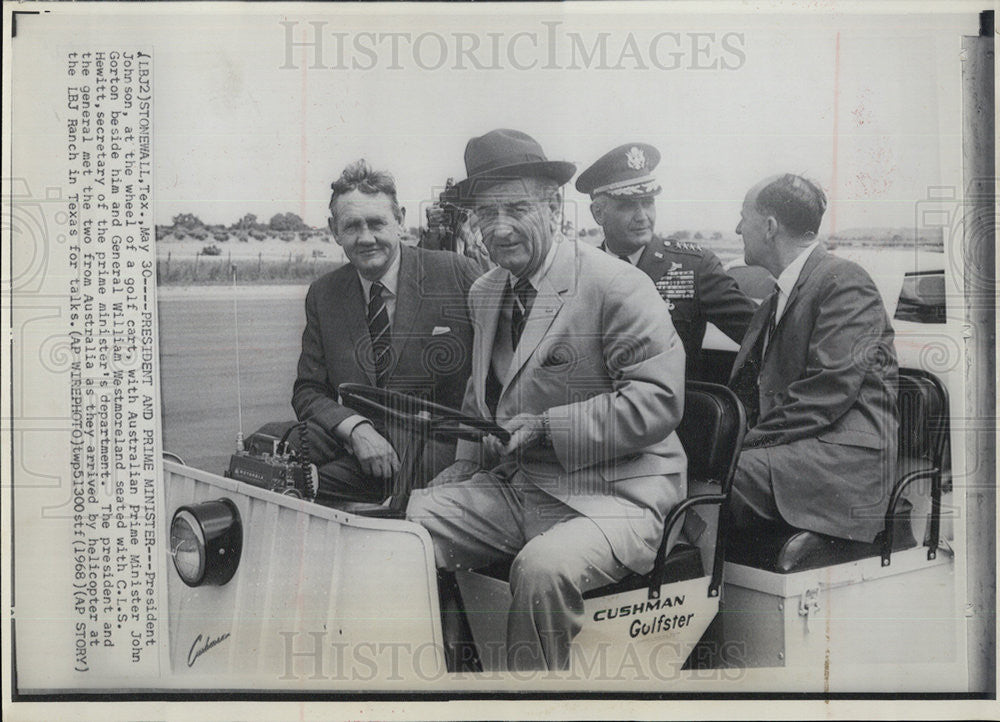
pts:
[598, 353]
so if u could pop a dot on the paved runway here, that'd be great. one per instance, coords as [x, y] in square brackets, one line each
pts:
[198, 380]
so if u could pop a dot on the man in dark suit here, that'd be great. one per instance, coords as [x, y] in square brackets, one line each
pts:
[394, 317]
[816, 372]
[690, 279]
[576, 357]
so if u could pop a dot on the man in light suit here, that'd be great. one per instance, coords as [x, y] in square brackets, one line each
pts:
[394, 317]
[817, 372]
[576, 357]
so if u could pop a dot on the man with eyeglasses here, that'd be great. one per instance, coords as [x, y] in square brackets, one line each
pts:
[575, 356]
[393, 317]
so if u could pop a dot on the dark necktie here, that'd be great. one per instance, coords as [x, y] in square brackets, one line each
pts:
[746, 384]
[772, 321]
[523, 297]
[378, 327]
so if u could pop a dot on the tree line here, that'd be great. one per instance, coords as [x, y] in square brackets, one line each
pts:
[279, 222]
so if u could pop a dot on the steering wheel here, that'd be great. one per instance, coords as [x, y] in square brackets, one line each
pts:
[435, 419]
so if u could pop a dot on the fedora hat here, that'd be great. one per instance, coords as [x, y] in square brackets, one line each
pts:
[506, 154]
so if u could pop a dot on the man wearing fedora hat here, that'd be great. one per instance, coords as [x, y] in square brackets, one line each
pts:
[574, 355]
[690, 279]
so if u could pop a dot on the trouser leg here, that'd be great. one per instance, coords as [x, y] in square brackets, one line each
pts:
[752, 498]
[472, 523]
[559, 556]
[548, 579]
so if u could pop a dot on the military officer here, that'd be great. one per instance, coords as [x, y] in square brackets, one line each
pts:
[690, 279]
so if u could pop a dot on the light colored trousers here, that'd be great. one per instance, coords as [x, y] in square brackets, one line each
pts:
[558, 555]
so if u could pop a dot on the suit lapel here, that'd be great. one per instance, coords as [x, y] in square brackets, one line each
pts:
[815, 258]
[559, 279]
[757, 324]
[356, 318]
[487, 316]
[409, 298]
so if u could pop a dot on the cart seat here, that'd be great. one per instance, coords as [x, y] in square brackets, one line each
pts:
[923, 420]
[711, 432]
[683, 562]
[780, 548]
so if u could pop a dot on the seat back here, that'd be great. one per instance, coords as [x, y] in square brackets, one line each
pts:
[711, 432]
[923, 436]
[923, 416]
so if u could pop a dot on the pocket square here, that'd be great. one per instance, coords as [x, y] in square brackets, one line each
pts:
[438, 330]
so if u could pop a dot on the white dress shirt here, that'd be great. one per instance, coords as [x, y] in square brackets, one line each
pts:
[390, 280]
[785, 283]
[789, 277]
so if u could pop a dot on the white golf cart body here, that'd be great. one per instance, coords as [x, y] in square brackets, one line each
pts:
[317, 593]
[326, 600]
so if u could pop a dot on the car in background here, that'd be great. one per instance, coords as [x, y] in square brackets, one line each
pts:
[913, 287]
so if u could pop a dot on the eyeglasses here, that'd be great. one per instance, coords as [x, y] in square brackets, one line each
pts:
[486, 212]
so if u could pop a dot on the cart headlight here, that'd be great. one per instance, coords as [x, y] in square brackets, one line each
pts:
[206, 541]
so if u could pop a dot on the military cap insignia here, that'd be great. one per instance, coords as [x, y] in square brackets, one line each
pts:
[623, 172]
[636, 158]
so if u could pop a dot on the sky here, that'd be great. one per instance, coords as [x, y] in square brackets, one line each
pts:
[869, 106]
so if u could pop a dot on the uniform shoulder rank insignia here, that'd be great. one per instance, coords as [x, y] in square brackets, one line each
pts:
[688, 246]
[635, 158]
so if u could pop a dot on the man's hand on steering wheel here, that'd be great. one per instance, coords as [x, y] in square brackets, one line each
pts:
[375, 455]
[526, 430]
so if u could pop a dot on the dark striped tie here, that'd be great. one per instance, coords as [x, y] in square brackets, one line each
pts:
[772, 319]
[378, 327]
[524, 296]
[746, 384]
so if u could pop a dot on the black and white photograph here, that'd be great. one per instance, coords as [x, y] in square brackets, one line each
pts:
[463, 360]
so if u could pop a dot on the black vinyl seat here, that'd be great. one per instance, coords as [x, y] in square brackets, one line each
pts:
[923, 439]
[711, 432]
